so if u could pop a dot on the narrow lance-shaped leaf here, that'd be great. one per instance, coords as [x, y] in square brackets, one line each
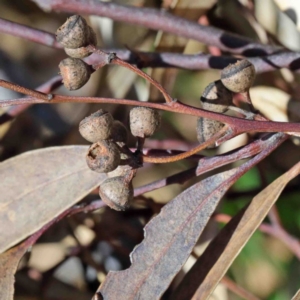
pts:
[169, 240]
[219, 255]
[38, 185]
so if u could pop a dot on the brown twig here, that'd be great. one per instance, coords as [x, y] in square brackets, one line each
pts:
[168, 159]
[20, 89]
[113, 59]
[14, 111]
[118, 61]
[237, 124]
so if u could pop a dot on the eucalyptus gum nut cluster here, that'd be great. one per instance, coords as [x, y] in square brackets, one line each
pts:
[103, 156]
[143, 121]
[238, 77]
[116, 192]
[216, 97]
[75, 73]
[206, 128]
[75, 33]
[97, 127]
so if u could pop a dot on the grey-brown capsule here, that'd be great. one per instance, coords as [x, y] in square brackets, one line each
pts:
[206, 128]
[119, 132]
[75, 33]
[216, 97]
[143, 121]
[75, 73]
[103, 157]
[97, 126]
[238, 77]
[116, 192]
[83, 51]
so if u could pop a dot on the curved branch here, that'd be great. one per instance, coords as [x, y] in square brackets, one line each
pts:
[161, 20]
[29, 33]
[197, 61]
[177, 157]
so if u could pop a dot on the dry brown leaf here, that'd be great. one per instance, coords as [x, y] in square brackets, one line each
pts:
[9, 262]
[219, 255]
[169, 240]
[38, 185]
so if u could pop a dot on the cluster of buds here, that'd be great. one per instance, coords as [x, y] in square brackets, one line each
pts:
[75, 35]
[105, 155]
[218, 96]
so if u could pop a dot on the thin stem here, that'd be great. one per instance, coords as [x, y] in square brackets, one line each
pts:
[169, 159]
[113, 59]
[16, 110]
[25, 91]
[118, 61]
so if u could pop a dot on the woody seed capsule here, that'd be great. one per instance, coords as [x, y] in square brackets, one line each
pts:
[238, 77]
[83, 51]
[97, 126]
[75, 73]
[144, 121]
[206, 128]
[103, 157]
[216, 97]
[75, 33]
[116, 192]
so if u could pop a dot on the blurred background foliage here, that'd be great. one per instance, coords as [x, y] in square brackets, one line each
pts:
[75, 255]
